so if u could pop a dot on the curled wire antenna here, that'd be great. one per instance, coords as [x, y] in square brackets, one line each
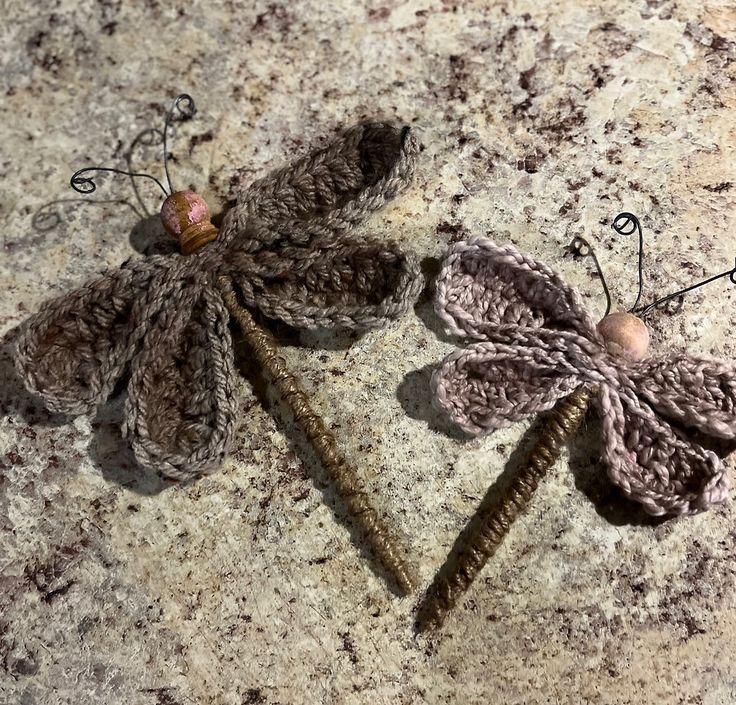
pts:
[580, 247]
[626, 224]
[86, 184]
[182, 106]
[730, 273]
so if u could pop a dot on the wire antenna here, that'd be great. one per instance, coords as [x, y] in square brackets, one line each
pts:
[184, 105]
[86, 184]
[730, 273]
[626, 224]
[580, 247]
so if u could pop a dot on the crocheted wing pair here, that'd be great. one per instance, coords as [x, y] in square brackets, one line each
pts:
[538, 344]
[285, 248]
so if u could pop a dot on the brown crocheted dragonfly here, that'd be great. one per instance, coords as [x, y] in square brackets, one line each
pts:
[284, 252]
[539, 349]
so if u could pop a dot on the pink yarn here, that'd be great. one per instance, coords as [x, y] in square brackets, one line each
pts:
[537, 344]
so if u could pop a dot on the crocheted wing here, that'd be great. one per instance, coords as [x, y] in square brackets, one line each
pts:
[287, 243]
[490, 385]
[538, 340]
[180, 414]
[649, 458]
[696, 391]
[73, 351]
[339, 184]
[331, 281]
[652, 462]
[487, 291]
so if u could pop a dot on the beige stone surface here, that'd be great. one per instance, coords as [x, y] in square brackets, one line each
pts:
[540, 121]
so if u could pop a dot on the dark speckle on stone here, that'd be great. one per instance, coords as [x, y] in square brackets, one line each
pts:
[455, 231]
[348, 646]
[525, 79]
[164, 696]
[202, 138]
[380, 13]
[531, 162]
[253, 696]
[458, 76]
[22, 666]
[720, 187]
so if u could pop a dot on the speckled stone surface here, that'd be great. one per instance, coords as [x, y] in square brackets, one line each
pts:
[540, 121]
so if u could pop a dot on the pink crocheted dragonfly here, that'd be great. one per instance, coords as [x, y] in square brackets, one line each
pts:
[537, 349]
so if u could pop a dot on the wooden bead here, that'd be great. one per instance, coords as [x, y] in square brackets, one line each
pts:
[185, 216]
[625, 335]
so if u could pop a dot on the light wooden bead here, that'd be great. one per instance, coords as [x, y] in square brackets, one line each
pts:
[625, 334]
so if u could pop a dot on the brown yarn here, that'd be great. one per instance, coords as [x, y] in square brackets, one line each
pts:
[348, 484]
[286, 247]
[286, 251]
[493, 523]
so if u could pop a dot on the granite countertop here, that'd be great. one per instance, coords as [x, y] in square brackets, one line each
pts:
[539, 121]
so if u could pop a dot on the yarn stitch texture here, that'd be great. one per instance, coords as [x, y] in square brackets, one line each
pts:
[285, 250]
[537, 344]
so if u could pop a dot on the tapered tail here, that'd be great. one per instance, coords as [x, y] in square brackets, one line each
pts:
[348, 484]
[491, 524]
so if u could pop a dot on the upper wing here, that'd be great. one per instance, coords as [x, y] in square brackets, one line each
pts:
[651, 462]
[331, 282]
[73, 351]
[181, 406]
[341, 183]
[696, 391]
[490, 385]
[483, 285]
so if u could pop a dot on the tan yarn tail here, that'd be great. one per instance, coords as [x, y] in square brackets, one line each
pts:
[493, 523]
[347, 483]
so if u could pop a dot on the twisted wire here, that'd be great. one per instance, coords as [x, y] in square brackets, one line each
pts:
[493, 523]
[348, 484]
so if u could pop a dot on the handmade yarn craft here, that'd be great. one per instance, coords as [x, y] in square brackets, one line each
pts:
[539, 349]
[283, 253]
